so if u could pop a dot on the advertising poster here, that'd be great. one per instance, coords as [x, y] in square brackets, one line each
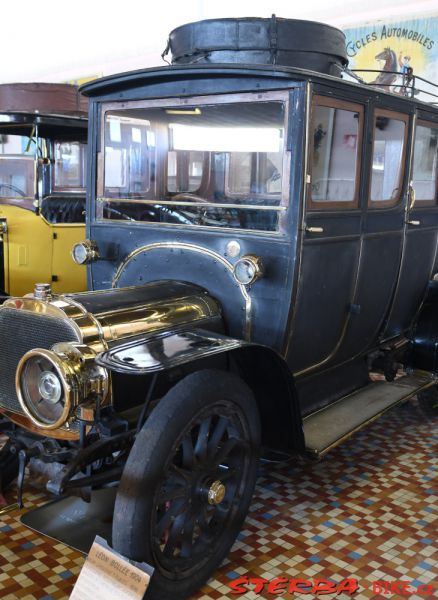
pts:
[398, 49]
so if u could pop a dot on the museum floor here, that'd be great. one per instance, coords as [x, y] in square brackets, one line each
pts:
[368, 511]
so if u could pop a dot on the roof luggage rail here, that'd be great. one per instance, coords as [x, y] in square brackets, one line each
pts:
[402, 84]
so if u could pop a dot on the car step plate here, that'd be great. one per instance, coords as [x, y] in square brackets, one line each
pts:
[74, 522]
[329, 426]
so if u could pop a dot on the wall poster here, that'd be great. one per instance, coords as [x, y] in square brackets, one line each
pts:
[404, 47]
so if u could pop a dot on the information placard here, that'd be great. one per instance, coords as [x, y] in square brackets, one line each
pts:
[106, 575]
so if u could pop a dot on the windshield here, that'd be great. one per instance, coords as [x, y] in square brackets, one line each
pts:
[219, 165]
[17, 167]
[70, 166]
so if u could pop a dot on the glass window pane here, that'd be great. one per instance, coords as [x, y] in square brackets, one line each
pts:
[388, 146]
[255, 173]
[198, 161]
[70, 166]
[129, 156]
[424, 173]
[17, 170]
[335, 151]
[184, 170]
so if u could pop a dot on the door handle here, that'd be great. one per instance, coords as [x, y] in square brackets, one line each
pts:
[314, 229]
[411, 196]
[416, 223]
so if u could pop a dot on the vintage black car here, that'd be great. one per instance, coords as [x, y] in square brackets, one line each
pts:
[262, 250]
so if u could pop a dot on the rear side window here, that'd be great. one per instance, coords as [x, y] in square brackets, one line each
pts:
[70, 166]
[336, 135]
[424, 168]
[389, 145]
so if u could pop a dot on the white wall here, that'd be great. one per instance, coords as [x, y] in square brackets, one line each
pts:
[58, 40]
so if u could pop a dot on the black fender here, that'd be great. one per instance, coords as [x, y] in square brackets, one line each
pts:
[262, 369]
[424, 334]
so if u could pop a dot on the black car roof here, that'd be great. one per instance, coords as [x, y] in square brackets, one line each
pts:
[142, 77]
[49, 125]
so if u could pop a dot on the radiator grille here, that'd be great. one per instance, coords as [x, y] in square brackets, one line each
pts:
[21, 331]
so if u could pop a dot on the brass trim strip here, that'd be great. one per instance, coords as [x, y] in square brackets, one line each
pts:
[188, 203]
[199, 250]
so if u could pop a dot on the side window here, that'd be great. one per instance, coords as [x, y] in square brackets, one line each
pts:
[70, 166]
[184, 171]
[129, 156]
[336, 138]
[252, 173]
[424, 167]
[389, 144]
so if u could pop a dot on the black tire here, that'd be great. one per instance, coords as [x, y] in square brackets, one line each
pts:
[8, 466]
[205, 430]
[429, 398]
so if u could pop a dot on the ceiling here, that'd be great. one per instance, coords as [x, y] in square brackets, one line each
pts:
[62, 41]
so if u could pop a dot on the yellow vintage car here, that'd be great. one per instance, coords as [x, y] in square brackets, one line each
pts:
[43, 130]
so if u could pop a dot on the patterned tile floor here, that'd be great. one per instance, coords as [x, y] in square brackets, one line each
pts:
[368, 511]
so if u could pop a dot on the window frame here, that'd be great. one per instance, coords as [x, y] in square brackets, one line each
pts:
[396, 116]
[323, 205]
[203, 184]
[34, 181]
[425, 203]
[55, 189]
[282, 96]
[237, 195]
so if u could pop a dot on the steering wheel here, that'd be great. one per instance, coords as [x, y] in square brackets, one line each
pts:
[119, 213]
[191, 197]
[14, 188]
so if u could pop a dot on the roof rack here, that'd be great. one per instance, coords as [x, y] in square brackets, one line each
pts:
[401, 84]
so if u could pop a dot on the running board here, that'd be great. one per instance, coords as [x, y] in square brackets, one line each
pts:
[328, 427]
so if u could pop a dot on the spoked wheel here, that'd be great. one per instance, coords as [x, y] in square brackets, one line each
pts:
[188, 482]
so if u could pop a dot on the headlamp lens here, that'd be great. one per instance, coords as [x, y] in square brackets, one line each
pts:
[49, 387]
[42, 390]
[248, 269]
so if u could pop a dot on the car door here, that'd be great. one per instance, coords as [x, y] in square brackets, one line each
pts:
[383, 229]
[419, 261]
[330, 251]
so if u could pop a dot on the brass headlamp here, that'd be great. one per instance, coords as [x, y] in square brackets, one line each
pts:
[51, 384]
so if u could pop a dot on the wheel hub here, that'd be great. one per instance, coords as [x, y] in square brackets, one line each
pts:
[216, 493]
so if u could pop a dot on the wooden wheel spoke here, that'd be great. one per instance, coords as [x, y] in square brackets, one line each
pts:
[222, 510]
[202, 439]
[173, 512]
[175, 536]
[173, 492]
[203, 519]
[224, 451]
[187, 537]
[217, 435]
[188, 452]
[224, 474]
[180, 475]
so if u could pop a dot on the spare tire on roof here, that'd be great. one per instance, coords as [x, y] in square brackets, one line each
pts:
[287, 42]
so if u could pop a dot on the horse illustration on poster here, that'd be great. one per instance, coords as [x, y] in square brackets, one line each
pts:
[389, 72]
